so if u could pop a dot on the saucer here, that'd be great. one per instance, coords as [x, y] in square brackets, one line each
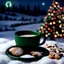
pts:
[27, 52]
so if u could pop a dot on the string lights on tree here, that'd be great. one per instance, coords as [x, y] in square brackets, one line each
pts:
[54, 28]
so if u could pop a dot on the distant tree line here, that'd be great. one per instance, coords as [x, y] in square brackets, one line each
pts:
[24, 10]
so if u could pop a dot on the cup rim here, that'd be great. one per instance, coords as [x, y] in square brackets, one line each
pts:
[38, 34]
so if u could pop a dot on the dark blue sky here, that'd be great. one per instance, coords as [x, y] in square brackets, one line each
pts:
[31, 3]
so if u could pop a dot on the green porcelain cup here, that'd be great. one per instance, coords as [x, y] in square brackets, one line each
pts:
[32, 41]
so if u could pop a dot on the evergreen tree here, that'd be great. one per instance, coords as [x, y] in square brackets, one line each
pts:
[34, 10]
[23, 9]
[28, 10]
[20, 9]
[52, 26]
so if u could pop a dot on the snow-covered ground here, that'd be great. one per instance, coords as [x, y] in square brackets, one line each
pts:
[10, 34]
[7, 40]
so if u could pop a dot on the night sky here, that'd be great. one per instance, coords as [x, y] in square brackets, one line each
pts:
[31, 3]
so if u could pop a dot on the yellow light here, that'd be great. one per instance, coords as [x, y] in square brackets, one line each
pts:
[56, 2]
[63, 18]
[55, 6]
[55, 36]
[59, 21]
[60, 35]
[52, 14]
[40, 31]
[50, 23]
[48, 28]
[60, 26]
[41, 27]
[54, 22]
[62, 30]
[46, 35]
[56, 32]
[48, 13]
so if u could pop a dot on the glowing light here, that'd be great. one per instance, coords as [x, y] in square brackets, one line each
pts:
[56, 32]
[46, 31]
[43, 3]
[48, 13]
[52, 14]
[61, 8]
[40, 31]
[54, 22]
[46, 35]
[54, 5]
[55, 36]
[63, 18]
[8, 4]
[51, 18]
[56, 2]
[45, 17]
[51, 30]
[41, 27]
[42, 24]
[54, 18]
[60, 26]
[62, 30]
[59, 21]
[50, 23]
[48, 28]
[60, 35]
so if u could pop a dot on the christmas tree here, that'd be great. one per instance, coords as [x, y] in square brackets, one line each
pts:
[53, 26]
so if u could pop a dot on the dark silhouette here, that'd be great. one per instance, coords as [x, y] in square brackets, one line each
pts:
[1, 18]
[6, 17]
[28, 11]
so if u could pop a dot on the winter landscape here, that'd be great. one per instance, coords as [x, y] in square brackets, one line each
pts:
[33, 16]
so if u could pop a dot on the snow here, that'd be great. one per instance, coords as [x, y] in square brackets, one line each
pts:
[4, 59]
[10, 34]
[3, 40]
[7, 40]
[5, 46]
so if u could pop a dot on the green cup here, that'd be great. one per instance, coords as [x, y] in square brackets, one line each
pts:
[32, 41]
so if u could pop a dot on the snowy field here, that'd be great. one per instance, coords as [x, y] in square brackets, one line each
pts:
[10, 34]
[7, 40]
